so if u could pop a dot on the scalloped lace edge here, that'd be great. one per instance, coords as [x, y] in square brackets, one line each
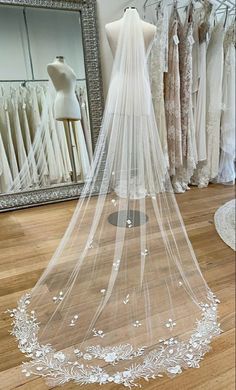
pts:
[171, 357]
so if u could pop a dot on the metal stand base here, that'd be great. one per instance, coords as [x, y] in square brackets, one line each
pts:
[129, 219]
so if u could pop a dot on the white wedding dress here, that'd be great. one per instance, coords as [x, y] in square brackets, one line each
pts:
[5, 172]
[5, 130]
[54, 173]
[19, 144]
[123, 297]
[227, 141]
[208, 170]
[85, 123]
[35, 124]
[28, 142]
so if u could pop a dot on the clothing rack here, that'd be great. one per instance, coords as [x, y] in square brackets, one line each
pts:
[31, 80]
[223, 5]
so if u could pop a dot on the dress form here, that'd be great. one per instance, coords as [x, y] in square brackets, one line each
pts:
[67, 108]
[113, 31]
[64, 80]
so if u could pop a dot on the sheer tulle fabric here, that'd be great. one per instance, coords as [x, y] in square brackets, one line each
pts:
[45, 160]
[123, 296]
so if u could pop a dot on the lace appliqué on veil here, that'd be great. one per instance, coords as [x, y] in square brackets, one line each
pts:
[170, 357]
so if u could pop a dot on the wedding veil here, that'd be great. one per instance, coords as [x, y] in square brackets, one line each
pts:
[123, 296]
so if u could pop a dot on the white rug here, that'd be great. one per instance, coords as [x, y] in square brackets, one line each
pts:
[225, 223]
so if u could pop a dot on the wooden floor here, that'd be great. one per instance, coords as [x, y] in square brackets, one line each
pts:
[29, 237]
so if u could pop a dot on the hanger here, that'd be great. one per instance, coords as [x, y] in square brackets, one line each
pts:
[158, 8]
[190, 9]
[129, 8]
[175, 9]
[23, 84]
[226, 15]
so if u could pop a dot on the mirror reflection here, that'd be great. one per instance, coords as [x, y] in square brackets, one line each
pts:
[36, 150]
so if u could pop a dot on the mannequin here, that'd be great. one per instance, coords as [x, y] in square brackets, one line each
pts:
[113, 30]
[67, 108]
[64, 80]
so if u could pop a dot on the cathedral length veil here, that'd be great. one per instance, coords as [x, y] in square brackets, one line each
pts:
[123, 296]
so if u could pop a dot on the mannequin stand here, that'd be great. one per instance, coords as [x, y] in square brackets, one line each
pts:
[71, 147]
[79, 153]
[132, 218]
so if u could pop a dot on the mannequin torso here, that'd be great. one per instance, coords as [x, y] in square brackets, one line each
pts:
[113, 31]
[64, 80]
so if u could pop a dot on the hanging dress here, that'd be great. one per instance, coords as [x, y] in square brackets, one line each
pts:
[34, 120]
[5, 172]
[54, 174]
[157, 67]
[26, 179]
[60, 131]
[200, 113]
[28, 142]
[200, 102]
[208, 170]
[172, 98]
[189, 152]
[123, 297]
[6, 131]
[85, 122]
[227, 140]
[196, 62]
[82, 149]
[64, 173]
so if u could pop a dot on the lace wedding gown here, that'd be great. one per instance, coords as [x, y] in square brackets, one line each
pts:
[123, 297]
[189, 151]
[172, 98]
[157, 68]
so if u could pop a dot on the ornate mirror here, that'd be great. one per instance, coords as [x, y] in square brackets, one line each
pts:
[32, 34]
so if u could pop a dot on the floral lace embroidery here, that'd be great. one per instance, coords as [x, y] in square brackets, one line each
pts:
[171, 357]
[158, 62]
[189, 152]
[114, 354]
[172, 101]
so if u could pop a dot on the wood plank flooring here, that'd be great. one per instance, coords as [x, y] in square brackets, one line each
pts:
[29, 237]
